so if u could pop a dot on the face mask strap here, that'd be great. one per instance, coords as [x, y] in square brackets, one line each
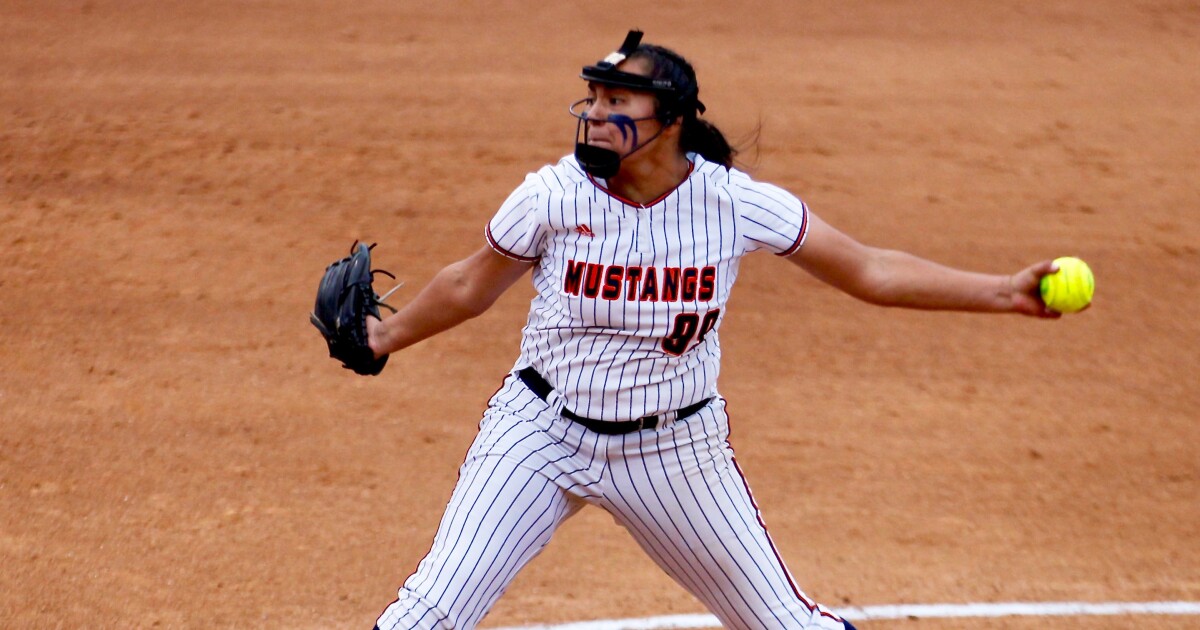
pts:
[605, 71]
[598, 161]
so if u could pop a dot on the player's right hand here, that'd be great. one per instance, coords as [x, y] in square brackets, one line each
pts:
[1026, 293]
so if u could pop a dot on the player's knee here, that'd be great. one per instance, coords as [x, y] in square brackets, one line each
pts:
[415, 611]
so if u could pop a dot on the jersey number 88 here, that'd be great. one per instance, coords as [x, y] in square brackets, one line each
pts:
[688, 325]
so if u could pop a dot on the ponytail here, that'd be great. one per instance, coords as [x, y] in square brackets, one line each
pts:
[703, 137]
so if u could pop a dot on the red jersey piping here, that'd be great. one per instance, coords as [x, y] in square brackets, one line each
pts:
[504, 252]
[691, 167]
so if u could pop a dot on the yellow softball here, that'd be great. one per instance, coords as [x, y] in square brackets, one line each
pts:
[1069, 289]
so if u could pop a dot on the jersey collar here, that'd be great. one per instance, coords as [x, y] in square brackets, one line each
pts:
[601, 184]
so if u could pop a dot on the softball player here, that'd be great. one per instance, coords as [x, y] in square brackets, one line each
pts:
[634, 243]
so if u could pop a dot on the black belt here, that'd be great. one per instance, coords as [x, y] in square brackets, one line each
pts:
[540, 386]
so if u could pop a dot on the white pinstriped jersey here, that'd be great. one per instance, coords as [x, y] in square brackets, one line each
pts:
[631, 296]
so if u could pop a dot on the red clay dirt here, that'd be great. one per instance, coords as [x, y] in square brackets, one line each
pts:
[177, 450]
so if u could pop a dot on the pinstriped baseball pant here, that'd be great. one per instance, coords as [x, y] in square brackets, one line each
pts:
[676, 489]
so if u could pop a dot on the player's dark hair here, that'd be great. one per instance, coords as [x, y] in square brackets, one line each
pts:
[696, 136]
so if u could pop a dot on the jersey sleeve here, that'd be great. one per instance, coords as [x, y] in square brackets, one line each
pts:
[772, 219]
[518, 230]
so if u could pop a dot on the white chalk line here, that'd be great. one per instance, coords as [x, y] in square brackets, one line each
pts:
[905, 611]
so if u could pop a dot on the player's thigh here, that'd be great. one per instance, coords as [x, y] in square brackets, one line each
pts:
[687, 504]
[502, 514]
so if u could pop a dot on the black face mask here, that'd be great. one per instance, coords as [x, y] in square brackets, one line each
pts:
[605, 163]
[598, 161]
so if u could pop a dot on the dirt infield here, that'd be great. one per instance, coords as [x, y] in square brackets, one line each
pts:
[177, 451]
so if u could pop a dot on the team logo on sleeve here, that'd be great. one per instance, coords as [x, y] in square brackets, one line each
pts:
[640, 284]
[584, 230]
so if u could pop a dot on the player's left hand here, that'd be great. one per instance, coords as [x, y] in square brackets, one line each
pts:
[346, 307]
[1026, 294]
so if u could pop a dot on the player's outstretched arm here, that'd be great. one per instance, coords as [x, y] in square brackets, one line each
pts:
[894, 278]
[458, 292]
